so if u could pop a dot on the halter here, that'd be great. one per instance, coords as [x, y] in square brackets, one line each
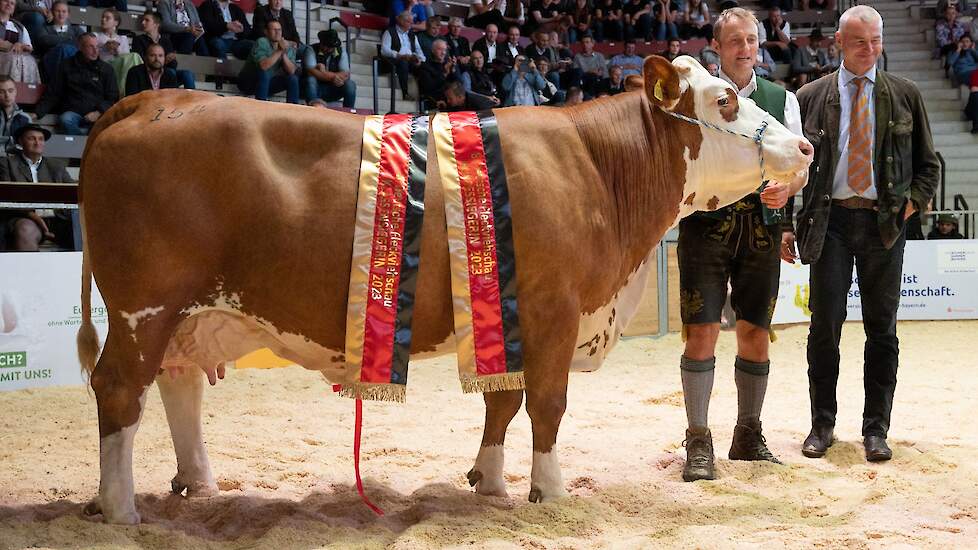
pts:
[757, 138]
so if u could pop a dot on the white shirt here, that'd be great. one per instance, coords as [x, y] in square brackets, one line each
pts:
[491, 50]
[406, 47]
[840, 185]
[762, 32]
[792, 111]
[24, 37]
[512, 49]
[33, 166]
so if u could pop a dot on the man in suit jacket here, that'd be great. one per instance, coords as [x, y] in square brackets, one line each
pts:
[458, 45]
[151, 75]
[24, 230]
[874, 167]
[226, 28]
[274, 10]
[487, 44]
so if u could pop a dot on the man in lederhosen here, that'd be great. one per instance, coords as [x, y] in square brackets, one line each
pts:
[740, 244]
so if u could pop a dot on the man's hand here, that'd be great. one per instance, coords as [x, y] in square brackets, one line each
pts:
[93, 116]
[197, 30]
[788, 252]
[235, 27]
[170, 57]
[42, 225]
[113, 47]
[910, 210]
[775, 194]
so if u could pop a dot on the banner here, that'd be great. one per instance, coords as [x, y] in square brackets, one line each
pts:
[940, 281]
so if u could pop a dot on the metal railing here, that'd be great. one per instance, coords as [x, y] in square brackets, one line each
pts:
[961, 207]
[942, 184]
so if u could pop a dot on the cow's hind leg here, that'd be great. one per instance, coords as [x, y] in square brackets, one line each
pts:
[182, 392]
[120, 380]
[546, 400]
[487, 474]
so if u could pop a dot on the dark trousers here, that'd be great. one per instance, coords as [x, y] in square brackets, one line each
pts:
[403, 70]
[853, 238]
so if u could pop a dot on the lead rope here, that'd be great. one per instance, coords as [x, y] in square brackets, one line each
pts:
[358, 425]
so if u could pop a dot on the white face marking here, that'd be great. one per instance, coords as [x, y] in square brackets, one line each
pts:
[545, 475]
[489, 463]
[134, 318]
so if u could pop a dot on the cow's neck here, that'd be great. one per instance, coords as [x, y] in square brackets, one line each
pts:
[641, 168]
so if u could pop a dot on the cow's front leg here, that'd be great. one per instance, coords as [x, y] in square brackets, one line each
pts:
[546, 400]
[182, 392]
[487, 474]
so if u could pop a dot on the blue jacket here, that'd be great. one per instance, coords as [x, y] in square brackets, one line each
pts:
[962, 63]
[537, 83]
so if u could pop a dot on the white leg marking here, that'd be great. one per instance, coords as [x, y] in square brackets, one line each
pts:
[116, 489]
[545, 477]
[182, 396]
[489, 463]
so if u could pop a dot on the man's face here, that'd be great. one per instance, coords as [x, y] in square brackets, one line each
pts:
[154, 58]
[514, 36]
[775, 15]
[273, 31]
[477, 60]
[737, 45]
[541, 39]
[8, 94]
[108, 21]
[60, 14]
[454, 28]
[453, 99]
[149, 24]
[275, 4]
[32, 142]
[438, 50]
[861, 44]
[630, 48]
[674, 47]
[588, 44]
[404, 21]
[945, 228]
[433, 27]
[492, 32]
[89, 48]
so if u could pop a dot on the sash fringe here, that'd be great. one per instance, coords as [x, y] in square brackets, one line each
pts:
[497, 382]
[374, 392]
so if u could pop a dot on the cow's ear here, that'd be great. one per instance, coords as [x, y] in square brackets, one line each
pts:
[661, 81]
[634, 83]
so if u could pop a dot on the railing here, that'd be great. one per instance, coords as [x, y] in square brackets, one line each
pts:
[40, 196]
[942, 184]
[961, 207]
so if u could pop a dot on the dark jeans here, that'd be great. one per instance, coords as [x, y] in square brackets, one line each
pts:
[185, 43]
[328, 92]
[608, 30]
[403, 70]
[219, 47]
[265, 83]
[641, 29]
[853, 237]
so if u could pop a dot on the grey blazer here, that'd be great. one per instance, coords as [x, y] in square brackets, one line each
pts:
[13, 167]
[168, 13]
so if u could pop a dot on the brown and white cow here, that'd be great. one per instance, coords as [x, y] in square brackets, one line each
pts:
[218, 226]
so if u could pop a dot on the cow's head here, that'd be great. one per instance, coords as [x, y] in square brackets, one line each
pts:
[723, 167]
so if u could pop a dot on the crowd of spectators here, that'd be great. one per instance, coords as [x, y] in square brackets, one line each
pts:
[955, 31]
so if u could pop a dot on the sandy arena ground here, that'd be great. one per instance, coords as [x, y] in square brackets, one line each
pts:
[281, 448]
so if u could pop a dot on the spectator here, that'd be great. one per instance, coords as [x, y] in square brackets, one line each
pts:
[808, 62]
[673, 49]
[150, 23]
[25, 230]
[665, 12]
[775, 35]
[964, 64]
[182, 23]
[523, 83]
[637, 19]
[226, 29]
[764, 65]
[271, 67]
[949, 30]
[614, 84]
[544, 16]
[114, 47]
[151, 75]
[608, 22]
[432, 32]
[563, 52]
[487, 45]
[400, 47]
[709, 56]
[274, 11]
[945, 228]
[575, 96]
[15, 48]
[832, 57]
[476, 79]
[593, 67]
[582, 18]
[83, 88]
[11, 117]
[712, 68]
[817, 5]
[34, 14]
[57, 40]
[458, 46]
[457, 98]
[419, 13]
[328, 71]
[551, 94]
[696, 20]
[943, 4]
[511, 49]
[501, 13]
[559, 71]
[435, 73]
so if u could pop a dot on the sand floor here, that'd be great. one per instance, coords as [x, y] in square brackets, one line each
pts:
[281, 447]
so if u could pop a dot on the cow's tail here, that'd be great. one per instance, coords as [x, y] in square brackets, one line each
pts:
[87, 339]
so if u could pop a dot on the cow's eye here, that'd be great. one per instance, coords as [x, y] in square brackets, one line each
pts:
[723, 101]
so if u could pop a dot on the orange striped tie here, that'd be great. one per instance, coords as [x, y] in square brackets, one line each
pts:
[860, 153]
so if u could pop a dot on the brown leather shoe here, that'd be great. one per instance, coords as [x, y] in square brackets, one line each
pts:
[749, 444]
[876, 448]
[699, 455]
[817, 442]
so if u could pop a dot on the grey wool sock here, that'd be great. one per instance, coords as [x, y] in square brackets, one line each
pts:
[697, 387]
[751, 379]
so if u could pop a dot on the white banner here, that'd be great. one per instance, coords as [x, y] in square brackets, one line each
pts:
[40, 297]
[940, 281]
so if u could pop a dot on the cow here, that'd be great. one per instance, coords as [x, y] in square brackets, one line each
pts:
[216, 226]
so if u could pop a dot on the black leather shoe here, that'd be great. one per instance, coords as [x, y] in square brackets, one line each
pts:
[817, 442]
[876, 448]
[699, 455]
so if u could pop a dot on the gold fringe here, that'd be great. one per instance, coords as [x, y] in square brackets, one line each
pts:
[495, 382]
[374, 392]
[772, 335]
[684, 333]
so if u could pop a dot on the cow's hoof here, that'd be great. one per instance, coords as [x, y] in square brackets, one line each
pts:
[193, 489]
[536, 495]
[93, 508]
[125, 518]
[475, 476]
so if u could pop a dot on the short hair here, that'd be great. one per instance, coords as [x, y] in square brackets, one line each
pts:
[437, 40]
[455, 21]
[455, 87]
[406, 13]
[155, 16]
[270, 21]
[511, 27]
[6, 78]
[56, 2]
[574, 90]
[85, 35]
[115, 15]
[155, 45]
[727, 15]
[862, 12]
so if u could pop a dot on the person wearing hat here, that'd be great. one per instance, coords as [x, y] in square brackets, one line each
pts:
[24, 230]
[809, 61]
[945, 228]
[226, 29]
[328, 71]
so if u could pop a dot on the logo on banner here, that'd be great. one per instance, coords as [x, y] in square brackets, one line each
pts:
[801, 299]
